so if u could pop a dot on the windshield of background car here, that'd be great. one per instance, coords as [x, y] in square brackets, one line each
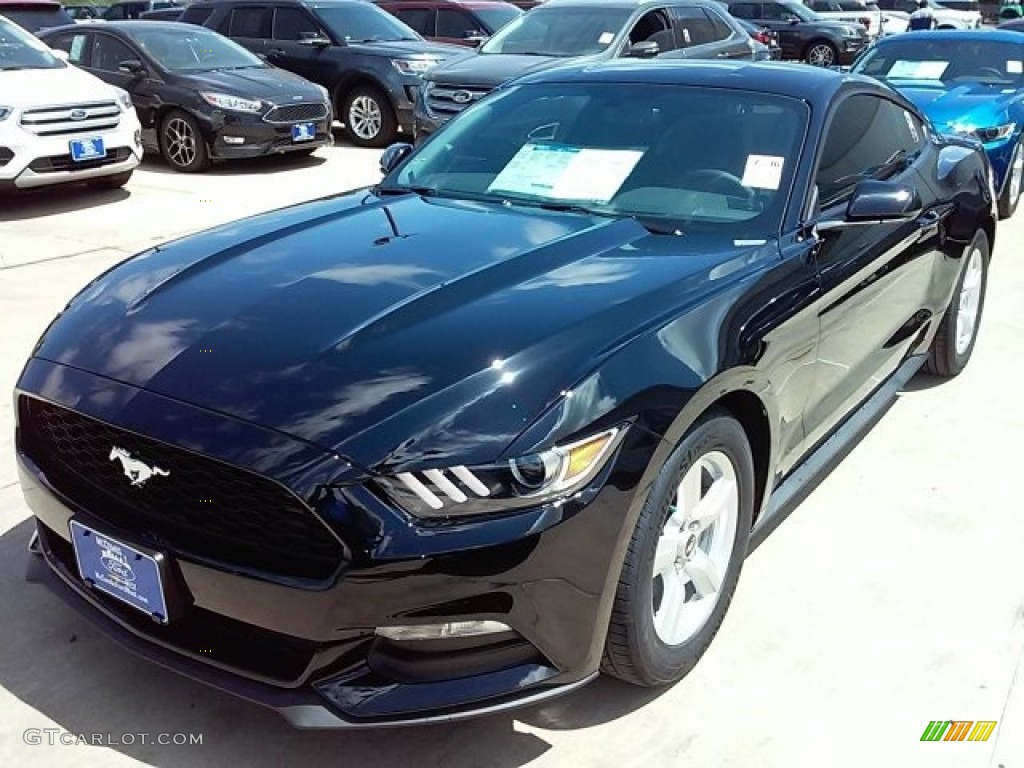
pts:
[674, 157]
[364, 23]
[800, 11]
[36, 18]
[946, 62]
[496, 16]
[194, 49]
[576, 31]
[20, 50]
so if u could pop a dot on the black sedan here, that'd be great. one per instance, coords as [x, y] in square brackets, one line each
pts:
[200, 97]
[514, 415]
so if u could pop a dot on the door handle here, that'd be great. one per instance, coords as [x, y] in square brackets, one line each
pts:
[276, 52]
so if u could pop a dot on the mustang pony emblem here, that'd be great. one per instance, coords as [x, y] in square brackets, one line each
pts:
[136, 471]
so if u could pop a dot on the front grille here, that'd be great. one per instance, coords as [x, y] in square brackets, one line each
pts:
[295, 113]
[6, 155]
[67, 119]
[448, 100]
[55, 163]
[203, 509]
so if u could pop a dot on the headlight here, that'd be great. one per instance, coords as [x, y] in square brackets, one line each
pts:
[5, 112]
[414, 66]
[995, 133]
[232, 103]
[124, 98]
[847, 32]
[531, 480]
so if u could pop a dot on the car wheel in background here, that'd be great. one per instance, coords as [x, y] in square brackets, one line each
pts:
[1012, 186]
[369, 119]
[182, 143]
[116, 181]
[821, 53]
[684, 557]
[954, 342]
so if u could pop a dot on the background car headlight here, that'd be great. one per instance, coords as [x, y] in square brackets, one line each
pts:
[5, 112]
[525, 481]
[847, 32]
[232, 103]
[995, 133]
[414, 66]
[124, 98]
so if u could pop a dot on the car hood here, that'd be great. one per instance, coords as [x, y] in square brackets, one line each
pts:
[401, 49]
[834, 26]
[387, 345]
[267, 83]
[971, 104]
[491, 69]
[25, 88]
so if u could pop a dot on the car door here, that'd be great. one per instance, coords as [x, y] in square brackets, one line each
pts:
[788, 26]
[108, 53]
[249, 26]
[291, 26]
[875, 278]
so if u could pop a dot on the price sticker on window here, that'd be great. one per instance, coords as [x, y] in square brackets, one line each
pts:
[763, 172]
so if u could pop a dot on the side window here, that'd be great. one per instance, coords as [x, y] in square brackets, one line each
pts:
[868, 138]
[293, 24]
[420, 19]
[75, 45]
[654, 26]
[108, 52]
[746, 10]
[455, 24]
[250, 22]
[775, 12]
[721, 30]
[115, 12]
[693, 27]
[197, 16]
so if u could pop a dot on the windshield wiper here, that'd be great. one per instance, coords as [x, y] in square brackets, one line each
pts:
[401, 189]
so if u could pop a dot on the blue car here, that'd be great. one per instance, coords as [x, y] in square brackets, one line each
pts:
[966, 82]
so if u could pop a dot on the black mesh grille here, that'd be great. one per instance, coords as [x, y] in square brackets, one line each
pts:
[66, 163]
[296, 112]
[6, 155]
[202, 508]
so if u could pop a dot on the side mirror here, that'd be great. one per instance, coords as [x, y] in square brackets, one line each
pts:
[793, 20]
[877, 201]
[475, 38]
[393, 156]
[62, 55]
[645, 49]
[313, 40]
[131, 67]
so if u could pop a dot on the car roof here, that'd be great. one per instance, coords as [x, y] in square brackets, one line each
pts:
[33, 3]
[123, 25]
[621, 3]
[990, 35]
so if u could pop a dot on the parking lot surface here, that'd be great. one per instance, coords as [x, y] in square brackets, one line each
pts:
[893, 596]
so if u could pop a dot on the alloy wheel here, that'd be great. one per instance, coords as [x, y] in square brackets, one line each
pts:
[180, 142]
[694, 548]
[969, 301]
[820, 55]
[364, 117]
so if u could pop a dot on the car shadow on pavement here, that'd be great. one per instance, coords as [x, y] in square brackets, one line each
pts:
[153, 163]
[47, 201]
[81, 682]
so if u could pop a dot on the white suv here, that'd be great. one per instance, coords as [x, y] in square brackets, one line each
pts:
[59, 124]
[897, 16]
[860, 12]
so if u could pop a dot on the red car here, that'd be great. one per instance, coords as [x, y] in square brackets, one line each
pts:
[464, 22]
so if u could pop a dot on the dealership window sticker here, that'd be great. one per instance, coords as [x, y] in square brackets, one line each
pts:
[762, 172]
[565, 172]
[1015, 67]
[605, 38]
[918, 70]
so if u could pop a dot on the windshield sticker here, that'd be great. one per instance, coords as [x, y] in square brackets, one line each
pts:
[686, 35]
[605, 38]
[563, 172]
[762, 172]
[1015, 67]
[918, 70]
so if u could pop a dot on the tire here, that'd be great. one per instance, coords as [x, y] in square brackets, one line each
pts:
[115, 181]
[820, 53]
[1014, 182]
[368, 117]
[644, 647]
[951, 350]
[182, 143]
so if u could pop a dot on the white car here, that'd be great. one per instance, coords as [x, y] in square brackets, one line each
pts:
[860, 12]
[59, 124]
[897, 16]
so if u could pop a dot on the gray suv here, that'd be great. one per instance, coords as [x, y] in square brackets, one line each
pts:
[588, 30]
[368, 60]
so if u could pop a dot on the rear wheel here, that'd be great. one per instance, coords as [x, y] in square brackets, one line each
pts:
[821, 53]
[1012, 186]
[684, 557]
[958, 331]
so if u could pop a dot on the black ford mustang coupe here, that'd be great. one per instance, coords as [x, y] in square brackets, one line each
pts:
[515, 415]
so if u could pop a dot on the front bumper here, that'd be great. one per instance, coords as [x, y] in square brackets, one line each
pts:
[311, 650]
[233, 135]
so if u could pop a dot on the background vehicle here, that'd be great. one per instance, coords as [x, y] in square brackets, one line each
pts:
[1010, 9]
[945, 17]
[766, 37]
[592, 30]
[461, 22]
[34, 15]
[368, 60]
[162, 14]
[967, 82]
[85, 12]
[803, 34]
[1014, 25]
[59, 124]
[132, 9]
[688, 337]
[199, 96]
[852, 11]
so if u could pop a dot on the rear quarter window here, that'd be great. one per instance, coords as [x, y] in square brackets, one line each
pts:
[193, 15]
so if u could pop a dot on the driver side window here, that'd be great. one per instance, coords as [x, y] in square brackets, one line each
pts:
[108, 53]
[654, 26]
[294, 24]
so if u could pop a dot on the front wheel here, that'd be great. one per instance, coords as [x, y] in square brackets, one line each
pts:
[684, 557]
[954, 341]
[369, 119]
[1012, 186]
[182, 143]
[821, 54]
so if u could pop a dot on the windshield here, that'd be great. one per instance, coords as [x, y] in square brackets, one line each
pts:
[560, 31]
[194, 49]
[364, 23]
[496, 17]
[35, 18]
[20, 50]
[946, 62]
[673, 157]
[802, 12]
